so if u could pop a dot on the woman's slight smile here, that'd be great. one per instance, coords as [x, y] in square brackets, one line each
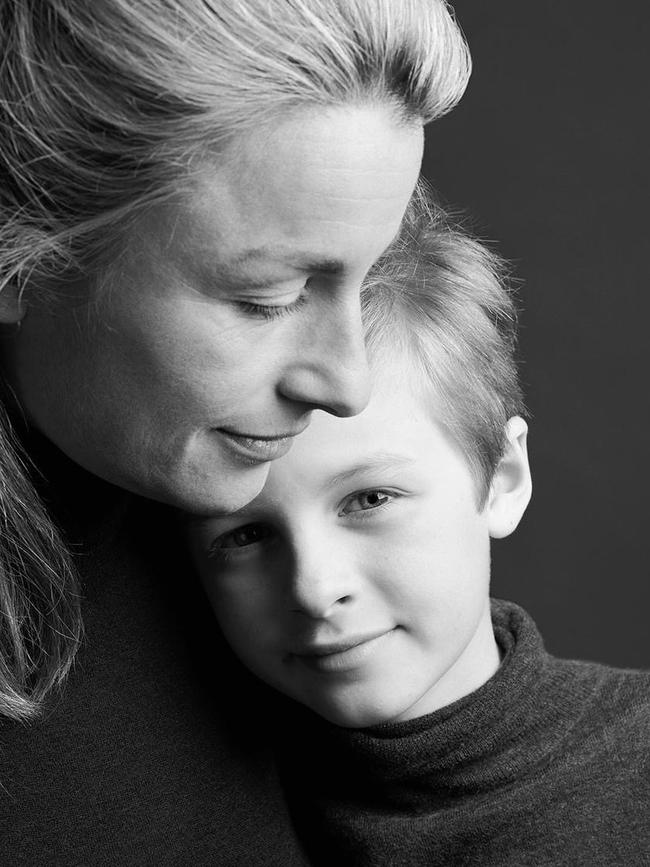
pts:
[260, 447]
[233, 313]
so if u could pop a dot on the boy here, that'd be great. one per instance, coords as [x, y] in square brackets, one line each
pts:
[357, 584]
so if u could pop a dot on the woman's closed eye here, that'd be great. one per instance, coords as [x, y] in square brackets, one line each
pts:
[366, 501]
[273, 311]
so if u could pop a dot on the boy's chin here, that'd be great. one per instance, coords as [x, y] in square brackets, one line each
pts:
[357, 716]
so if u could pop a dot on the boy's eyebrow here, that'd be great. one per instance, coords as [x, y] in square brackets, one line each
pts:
[378, 461]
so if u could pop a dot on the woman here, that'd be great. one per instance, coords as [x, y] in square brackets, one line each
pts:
[192, 194]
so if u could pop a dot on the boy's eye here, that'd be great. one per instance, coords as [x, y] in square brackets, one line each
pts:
[365, 501]
[249, 534]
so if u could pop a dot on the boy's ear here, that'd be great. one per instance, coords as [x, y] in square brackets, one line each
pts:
[511, 485]
[12, 308]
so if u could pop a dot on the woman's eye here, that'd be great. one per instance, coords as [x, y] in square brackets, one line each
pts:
[242, 537]
[272, 311]
[365, 501]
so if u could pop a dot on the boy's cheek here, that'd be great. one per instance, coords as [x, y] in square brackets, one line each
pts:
[247, 599]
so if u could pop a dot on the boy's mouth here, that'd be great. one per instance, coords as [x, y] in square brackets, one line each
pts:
[341, 655]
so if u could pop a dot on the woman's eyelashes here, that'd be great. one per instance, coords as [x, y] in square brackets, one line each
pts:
[273, 311]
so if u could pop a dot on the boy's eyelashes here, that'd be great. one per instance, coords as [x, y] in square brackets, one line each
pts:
[240, 537]
[256, 532]
[365, 501]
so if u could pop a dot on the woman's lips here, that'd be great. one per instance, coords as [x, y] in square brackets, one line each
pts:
[344, 655]
[256, 448]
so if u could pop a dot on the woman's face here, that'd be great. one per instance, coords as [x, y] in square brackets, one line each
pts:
[232, 314]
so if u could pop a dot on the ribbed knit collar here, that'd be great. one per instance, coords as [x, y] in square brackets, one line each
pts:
[514, 722]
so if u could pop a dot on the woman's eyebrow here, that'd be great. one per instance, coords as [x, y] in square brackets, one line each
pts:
[379, 461]
[304, 260]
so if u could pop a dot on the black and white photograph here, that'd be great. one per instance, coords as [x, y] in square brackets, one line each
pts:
[323, 423]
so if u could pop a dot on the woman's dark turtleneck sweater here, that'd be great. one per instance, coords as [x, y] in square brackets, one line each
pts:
[150, 754]
[546, 764]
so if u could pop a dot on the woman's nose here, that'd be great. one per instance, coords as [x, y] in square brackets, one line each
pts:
[332, 371]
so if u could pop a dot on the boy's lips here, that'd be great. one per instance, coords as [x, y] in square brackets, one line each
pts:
[341, 655]
[259, 448]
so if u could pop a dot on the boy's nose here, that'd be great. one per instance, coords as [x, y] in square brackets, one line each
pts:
[318, 591]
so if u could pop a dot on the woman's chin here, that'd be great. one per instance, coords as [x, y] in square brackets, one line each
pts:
[210, 491]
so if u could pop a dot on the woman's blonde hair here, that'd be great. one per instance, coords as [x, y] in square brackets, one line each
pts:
[104, 107]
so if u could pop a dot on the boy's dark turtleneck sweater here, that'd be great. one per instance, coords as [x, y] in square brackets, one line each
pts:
[149, 755]
[547, 764]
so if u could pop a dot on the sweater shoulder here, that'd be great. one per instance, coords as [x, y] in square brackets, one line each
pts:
[614, 702]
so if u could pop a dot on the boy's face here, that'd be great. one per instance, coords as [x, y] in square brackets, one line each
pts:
[357, 581]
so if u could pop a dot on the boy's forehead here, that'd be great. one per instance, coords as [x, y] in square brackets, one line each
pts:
[395, 430]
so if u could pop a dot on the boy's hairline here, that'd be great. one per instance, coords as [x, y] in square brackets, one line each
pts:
[424, 389]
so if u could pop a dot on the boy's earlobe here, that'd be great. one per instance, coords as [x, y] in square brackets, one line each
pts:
[511, 486]
[12, 309]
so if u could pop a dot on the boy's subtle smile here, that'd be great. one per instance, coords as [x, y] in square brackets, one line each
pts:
[357, 581]
[345, 655]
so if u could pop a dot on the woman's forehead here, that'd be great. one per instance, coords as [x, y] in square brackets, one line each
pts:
[307, 201]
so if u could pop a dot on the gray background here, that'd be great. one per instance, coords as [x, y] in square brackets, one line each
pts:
[548, 154]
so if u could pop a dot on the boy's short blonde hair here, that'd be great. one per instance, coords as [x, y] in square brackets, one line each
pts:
[442, 300]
